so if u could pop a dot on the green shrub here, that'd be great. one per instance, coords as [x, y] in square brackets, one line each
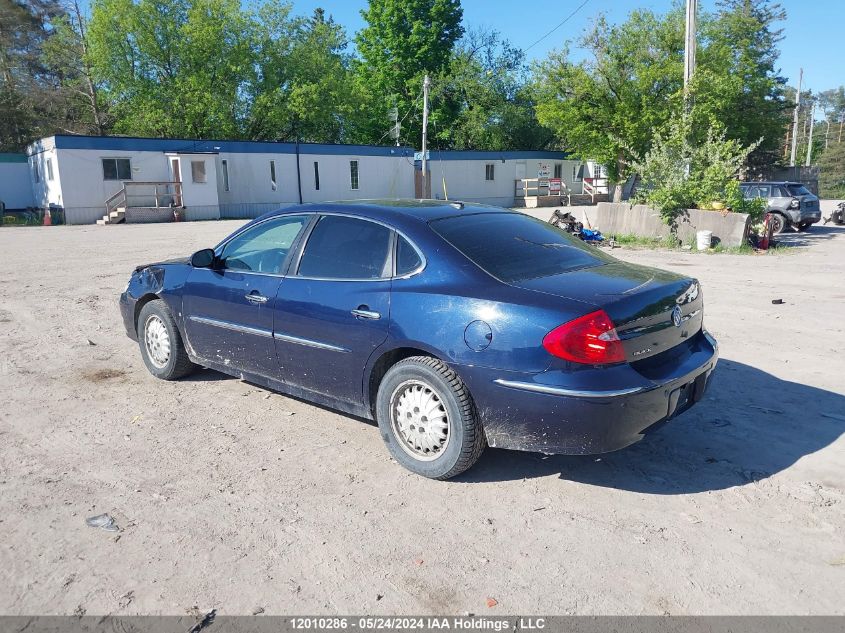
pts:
[678, 175]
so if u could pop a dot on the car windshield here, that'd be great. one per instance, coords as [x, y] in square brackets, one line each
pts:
[515, 247]
[798, 190]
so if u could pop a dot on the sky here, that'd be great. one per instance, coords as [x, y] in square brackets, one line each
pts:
[812, 31]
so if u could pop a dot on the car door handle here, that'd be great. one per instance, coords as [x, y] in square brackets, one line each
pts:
[254, 297]
[361, 313]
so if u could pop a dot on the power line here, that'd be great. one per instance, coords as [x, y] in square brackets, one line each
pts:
[566, 19]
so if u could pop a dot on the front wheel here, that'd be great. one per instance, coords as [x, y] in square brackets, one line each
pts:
[778, 223]
[161, 344]
[428, 419]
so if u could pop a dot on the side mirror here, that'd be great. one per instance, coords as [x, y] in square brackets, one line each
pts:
[203, 259]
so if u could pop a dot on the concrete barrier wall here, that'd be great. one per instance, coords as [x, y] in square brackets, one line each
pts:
[620, 218]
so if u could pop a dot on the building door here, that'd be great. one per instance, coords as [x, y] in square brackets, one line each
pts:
[176, 170]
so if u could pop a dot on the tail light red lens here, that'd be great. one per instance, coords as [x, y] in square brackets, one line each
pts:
[590, 339]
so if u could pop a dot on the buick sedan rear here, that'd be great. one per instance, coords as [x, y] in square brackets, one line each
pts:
[454, 326]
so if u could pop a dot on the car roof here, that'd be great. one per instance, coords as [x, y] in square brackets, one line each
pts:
[397, 210]
[771, 182]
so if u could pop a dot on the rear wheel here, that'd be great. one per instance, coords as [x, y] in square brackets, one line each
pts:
[161, 344]
[779, 223]
[427, 418]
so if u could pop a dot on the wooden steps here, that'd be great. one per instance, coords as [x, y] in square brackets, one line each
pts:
[117, 216]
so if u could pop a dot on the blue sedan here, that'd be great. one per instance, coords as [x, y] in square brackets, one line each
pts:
[455, 326]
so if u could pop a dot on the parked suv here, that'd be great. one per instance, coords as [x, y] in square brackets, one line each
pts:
[790, 203]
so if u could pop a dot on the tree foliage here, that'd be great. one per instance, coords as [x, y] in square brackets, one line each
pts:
[737, 85]
[609, 105]
[678, 174]
[402, 41]
[487, 80]
[832, 171]
[35, 98]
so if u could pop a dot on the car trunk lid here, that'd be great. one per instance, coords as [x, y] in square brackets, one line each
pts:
[653, 310]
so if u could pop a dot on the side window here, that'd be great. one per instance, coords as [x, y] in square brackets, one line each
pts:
[353, 174]
[763, 191]
[490, 171]
[263, 248]
[407, 258]
[341, 247]
[117, 169]
[198, 171]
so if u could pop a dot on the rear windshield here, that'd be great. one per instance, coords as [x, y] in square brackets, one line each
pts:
[515, 247]
[798, 190]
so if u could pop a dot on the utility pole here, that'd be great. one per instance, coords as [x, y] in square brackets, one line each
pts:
[795, 120]
[810, 142]
[426, 84]
[689, 45]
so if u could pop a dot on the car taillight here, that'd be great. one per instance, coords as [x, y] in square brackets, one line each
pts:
[589, 339]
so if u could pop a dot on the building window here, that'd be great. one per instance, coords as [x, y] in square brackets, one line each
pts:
[558, 171]
[198, 171]
[117, 169]
[273, 175]
[224, 165]
[49, 169]
[577, 172]
[316, 176]
[36, 172]
[353, 174]
[489, 171]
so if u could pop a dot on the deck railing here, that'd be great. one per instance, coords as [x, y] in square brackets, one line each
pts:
[146, 194]
[595, 187]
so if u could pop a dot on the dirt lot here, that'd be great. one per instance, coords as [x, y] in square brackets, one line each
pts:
[233, 497]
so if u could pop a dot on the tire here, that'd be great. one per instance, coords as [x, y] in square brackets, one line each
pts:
[161, 344]
[779, 223]
[453, 438]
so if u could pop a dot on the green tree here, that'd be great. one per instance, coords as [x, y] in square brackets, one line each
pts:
[66, 54]
[402, 41]
[736, 84]
[832, 106]
[174, 67]
[28, 89]
[608, 106]
[304, 88]
[832, 171]
[487, 81]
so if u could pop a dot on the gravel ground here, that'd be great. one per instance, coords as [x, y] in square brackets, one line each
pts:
[228, 496]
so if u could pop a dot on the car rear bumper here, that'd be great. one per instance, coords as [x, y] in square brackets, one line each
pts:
[531, 415]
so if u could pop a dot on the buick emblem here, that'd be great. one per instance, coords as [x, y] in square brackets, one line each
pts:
[676, 316]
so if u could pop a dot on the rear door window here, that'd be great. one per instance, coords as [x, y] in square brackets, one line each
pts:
[514, 247]
[342, 247]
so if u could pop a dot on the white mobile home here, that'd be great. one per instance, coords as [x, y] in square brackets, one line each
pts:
[498, 178]
[144, 179]
[15, 185]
